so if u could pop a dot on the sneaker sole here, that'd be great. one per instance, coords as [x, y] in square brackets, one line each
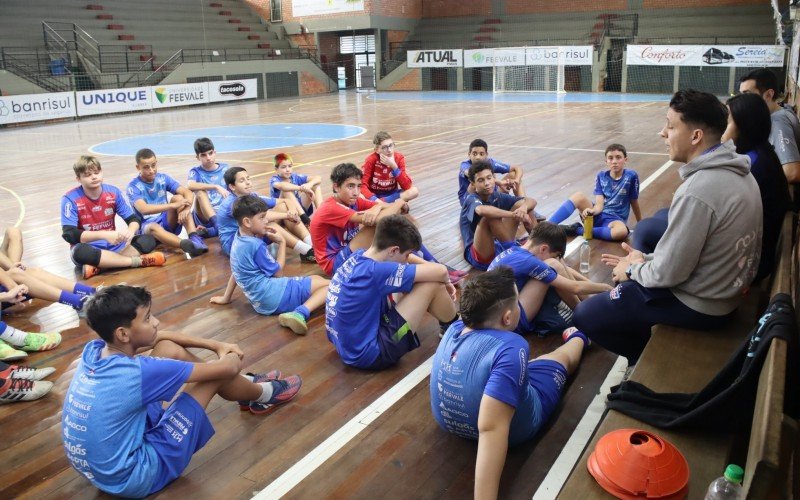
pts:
[293, 325]
[16, 357]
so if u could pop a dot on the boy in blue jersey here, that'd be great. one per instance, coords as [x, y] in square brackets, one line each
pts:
[162, 218]
[490, 219]
[115, 430]
[616, 192]
[208, 186]
[482, 385]
[368, 328]
[511, 182]
[302, 191]
[87, 221]
[548, 289]
[238, 182]
[260, 275]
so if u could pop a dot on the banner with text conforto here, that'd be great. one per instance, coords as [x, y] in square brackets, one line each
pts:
[746, 56]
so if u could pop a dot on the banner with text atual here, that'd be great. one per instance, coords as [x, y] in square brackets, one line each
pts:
[440, 58]
[744, 56]
[33, 107]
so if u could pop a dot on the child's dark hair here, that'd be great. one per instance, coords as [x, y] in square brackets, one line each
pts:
[115, 306]
[144, 153]
[551, 235]
[616, 147]
[478, 143]
[203, 145]
[230, 175]
[486, 295]
[280, 158]
[396, 230]
[248, 206]
[476, 168]
[751, 115]
[701, 109]
[344, 171]
[764, 78]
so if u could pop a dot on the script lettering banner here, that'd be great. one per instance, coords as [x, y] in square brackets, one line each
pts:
[452, 58]
[33, 107]
[744, 56]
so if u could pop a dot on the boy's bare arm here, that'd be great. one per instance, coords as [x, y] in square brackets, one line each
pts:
[494, 421]
[637, 212]
[227, 296]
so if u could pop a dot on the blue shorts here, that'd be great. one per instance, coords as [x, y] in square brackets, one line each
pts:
[547, 378]
[344, 253]
[388, 196]
[482, 261]
[198, 221]
[603, 219]
[176, 434]
[548, 320]
[297, 291]
[163, 222]
[395, 338]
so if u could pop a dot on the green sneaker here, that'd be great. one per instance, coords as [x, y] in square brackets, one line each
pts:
[8, 353]
[294, 321]
[41, 341]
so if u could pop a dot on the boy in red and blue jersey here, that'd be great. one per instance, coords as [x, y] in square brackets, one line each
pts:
[384, 176]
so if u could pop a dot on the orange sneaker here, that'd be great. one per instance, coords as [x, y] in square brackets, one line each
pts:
[153, 259]
[89, 271]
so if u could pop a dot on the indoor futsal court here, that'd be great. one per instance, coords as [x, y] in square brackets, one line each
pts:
[547, 84]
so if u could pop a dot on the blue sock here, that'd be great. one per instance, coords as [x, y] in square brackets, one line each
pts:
[427, 255]
[391, 198]
[579, 230]
[601, 233]
[70, 299]
[83, 290]
[564, 211]
[303, 311]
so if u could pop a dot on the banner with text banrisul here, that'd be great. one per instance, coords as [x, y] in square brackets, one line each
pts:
[743, 56]
[33, 107]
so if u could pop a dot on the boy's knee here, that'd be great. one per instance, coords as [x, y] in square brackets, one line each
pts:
[16, 274]
[168, 349]
[13, 234]
[557, 265]
[143, 243]
[85, 254]
[578, 197]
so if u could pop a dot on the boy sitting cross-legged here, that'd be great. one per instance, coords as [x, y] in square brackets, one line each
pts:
[548, 289]
[482, 385]
[385, 178]
[115, 430]
[367, 327]
[260, 275]
[302, 189]
[208, 186]
[510, 183]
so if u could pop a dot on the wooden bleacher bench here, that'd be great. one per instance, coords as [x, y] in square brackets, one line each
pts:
[680, 360]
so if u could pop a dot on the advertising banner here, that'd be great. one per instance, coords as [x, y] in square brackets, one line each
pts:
[98, 102]
[451, 58]
[166, 96]
[744, 56]
[233, 90]
[552, 56]
[33, 107]
[494, 57]
[301, 8]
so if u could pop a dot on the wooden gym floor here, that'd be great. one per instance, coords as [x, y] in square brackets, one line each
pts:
[393, 449]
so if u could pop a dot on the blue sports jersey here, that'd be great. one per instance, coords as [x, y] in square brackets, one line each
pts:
[617, 193]
[104, 417]
[525, 266]
[153, 193]
[253, 268]
[228, 228]
[469, 219]
[463, 180]
[357, 294]
[296, 179]
[80, 211]
[216, 177]
[490, 362]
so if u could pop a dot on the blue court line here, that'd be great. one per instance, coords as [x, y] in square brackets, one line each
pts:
[543, 97]
[230, 139]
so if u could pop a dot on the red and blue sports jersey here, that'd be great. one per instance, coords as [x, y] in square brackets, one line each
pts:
[618, 193]
[331, 229]
[379, 179]
[87, 214]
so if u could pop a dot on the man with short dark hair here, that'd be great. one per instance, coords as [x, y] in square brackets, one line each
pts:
[709, 253]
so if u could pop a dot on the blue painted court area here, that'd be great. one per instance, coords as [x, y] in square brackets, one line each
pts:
[537, 97]
[230, 139]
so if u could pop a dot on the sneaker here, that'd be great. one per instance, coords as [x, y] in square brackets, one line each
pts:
[153, 259]
[26, 372]
[456, 276]
[89, 271]
[539, 217]
[283, 391]
[190, 248]
[294, 321]
[20, 389]
[198, 242]
[571, 229]
[35, 342]
[9, 353]
[207, 232]
[259, 378]
[309, 257]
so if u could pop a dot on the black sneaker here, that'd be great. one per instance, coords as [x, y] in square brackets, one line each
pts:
[305, 219]
[309, 257]
[570, 229]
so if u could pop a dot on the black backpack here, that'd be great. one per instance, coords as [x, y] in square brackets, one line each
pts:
[728, 401]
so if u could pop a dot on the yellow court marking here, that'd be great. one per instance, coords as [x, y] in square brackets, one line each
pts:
[21, 205]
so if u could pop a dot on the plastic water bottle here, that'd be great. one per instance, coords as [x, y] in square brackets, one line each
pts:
[585, 255]
[727, 487]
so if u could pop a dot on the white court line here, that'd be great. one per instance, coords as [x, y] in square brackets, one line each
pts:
[339, 439]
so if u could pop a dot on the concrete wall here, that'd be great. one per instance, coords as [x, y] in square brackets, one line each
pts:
[11, 84]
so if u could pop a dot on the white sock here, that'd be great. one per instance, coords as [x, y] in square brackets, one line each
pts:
[249, 378]
[13, 336]
[307, 240]
[266, 392]
[302, 247]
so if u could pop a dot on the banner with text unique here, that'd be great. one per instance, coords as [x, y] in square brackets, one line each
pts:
[494, 57]
[33, 107]
[745, 56]
[233, 90]
[580, 55]
[98, 102]
[185, 94]
[447, 58]
[301, 8]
